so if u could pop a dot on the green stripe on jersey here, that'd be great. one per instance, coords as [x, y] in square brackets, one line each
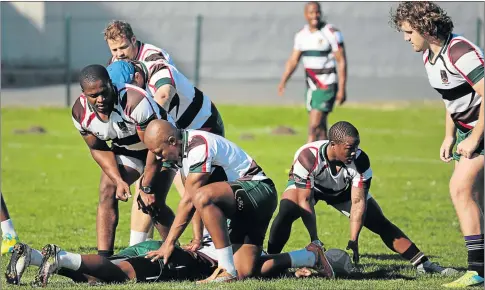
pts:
[163, 81]
[316, 52]
[476, 74]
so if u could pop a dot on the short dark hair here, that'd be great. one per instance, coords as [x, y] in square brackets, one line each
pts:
[93, 73]
[313, 3]
[425, 17]
[342, 130]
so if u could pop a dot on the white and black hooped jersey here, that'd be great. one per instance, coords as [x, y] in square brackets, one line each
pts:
[189, 107]
[133, 110]
[457, 68]
[145, 51]
[317, 52]
[310, 170]
[205, 152]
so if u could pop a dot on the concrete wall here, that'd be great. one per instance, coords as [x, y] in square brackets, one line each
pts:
[243, 40]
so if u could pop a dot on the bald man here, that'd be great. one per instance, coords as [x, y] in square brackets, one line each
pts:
[221, 181]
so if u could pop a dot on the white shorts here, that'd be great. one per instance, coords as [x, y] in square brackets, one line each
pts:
[131, 162]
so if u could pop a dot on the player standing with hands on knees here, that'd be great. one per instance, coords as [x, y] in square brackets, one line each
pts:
[455, 70]
[321, 46]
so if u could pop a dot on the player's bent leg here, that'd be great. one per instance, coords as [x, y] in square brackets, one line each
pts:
[317, 127]
[107, 215]
[288, 212]
[141, 223]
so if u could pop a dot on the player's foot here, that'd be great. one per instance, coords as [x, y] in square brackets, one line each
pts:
[219, 275]
[19, 261]
[429, 267]
[49, 266]
[8, 241]
[471, 278]
[322, 266]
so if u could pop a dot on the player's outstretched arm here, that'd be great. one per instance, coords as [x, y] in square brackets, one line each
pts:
[306, 203]
[341, 60]
[105, 158]
[290, 67]
[470, 144]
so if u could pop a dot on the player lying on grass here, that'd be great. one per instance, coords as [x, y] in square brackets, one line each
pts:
[454, 67]
[9, 236]
[189, 107]
[118, 113]
[338, 172]
[130, 264]
[222, 181]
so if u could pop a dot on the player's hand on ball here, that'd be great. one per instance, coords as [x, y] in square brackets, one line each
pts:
[446, 149]
[354, 246]
[163, 253]
[122, 191]
[467, 147]
[193, 246]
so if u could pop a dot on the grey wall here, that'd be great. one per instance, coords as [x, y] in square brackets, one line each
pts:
[243, 40]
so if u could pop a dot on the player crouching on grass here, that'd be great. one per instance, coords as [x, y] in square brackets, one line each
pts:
[222, 181]
[338, 172]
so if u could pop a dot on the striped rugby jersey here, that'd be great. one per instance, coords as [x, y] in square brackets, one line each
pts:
[317, 50]
[456, 69]
[133, 110]
[310, 170]
[189, 107]
[145, 50]
[205, 152]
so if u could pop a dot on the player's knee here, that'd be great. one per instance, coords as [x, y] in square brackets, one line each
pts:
[107, 192]
[459, 191]
[201, 199]
[288, 209]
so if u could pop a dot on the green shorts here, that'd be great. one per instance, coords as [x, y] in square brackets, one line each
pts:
[256, 202]
[140, 249]
[321, 99]
[460, 136]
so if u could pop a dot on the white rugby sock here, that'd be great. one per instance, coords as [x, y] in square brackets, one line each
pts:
[225, 260]
[137, 237]
[69, 260]
[7, 228]
[302, 258]
[205, 233]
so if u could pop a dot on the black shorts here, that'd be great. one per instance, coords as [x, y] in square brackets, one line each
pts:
[214, 124]
[256, 202]
[183, 265]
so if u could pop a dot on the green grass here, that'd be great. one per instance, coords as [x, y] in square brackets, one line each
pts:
[50, 185]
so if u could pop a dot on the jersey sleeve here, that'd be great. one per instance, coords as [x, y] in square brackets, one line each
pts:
[139, 109]
[304, 164]
[363, 176]
[160, 75]
[467, 60]
[78, 112]
[199, 156]
[336, 38]
[297, 42]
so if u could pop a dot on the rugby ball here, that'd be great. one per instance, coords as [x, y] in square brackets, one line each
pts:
[340, 261]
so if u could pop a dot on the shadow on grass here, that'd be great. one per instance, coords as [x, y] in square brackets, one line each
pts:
[394, 257]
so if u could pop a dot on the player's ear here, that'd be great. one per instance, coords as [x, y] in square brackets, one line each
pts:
[133, 39]
[172, 140]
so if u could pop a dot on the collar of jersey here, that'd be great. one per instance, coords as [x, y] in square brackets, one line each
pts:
[442, 50]
[140, 44]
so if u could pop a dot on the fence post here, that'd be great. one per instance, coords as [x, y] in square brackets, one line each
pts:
[479, 31]
[198, 32]
[67, 57]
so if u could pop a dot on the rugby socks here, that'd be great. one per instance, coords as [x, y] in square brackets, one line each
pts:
[137, 237]
[474, 245]
[69, 260]
[302, 258]
[414, 255]
[7, 228]
[225, 260]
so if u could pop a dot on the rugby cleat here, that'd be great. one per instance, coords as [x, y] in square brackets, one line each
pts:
[19, 261]
[429, 267]
[8, 242]
[49, 265]
[471, 278]
[322, 266]
[220, 275]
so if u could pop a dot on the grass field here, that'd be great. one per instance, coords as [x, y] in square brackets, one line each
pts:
[50, 185]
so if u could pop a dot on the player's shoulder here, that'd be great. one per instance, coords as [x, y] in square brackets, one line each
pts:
[312, 146]
[303, 31]
[150, 52]
[459, 46]
[79, 108]
[361, 161]
[130, 96]
[331, 28]
[196, 138]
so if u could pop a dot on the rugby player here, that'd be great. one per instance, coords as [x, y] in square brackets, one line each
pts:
[338, 172]
[120, 114]
[454, 66]
[9, 236]
[221, 181]
[190, 108]
[321, 47]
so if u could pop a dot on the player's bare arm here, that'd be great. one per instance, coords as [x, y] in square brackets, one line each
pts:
[470, 144]
[185, 211]
[450, 138]
[197, 232]
[306, 202]
[341, 60]
[106, 160]
[164, 94]
[357, 216]
[290, 67]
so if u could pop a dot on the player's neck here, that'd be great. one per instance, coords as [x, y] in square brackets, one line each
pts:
[435, 46]
[318, 27]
